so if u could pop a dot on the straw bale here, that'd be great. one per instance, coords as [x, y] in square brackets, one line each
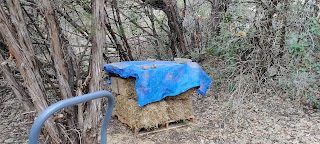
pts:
[172, 108]
[148, 116]
[183, 96]
[179, 109]
[124, 87]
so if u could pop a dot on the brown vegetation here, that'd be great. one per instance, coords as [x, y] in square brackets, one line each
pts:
[53, 50]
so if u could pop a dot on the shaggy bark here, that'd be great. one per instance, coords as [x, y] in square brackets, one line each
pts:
[57, 50]
[20, 46]
[175, 25]
[60, 63]
[92, 121]
[15, 86]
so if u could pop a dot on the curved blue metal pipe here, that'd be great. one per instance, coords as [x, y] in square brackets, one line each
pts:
[35, 129]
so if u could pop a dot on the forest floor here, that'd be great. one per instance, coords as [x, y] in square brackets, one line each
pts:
[258, 118]
[15, 122]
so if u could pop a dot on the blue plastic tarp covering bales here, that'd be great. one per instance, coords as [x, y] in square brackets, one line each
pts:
[167, 79]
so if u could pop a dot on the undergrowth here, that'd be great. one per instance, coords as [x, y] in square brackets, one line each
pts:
[295, 73]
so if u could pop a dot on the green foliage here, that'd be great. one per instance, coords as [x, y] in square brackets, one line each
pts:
[231, 87]
[121, 30]
[299, 63]
[230, 105]
[302, 49]
[304, 66]
[226, 46]
[313, 101]
[198, 131]
[300, 52]
[186, 122]
[300, 85]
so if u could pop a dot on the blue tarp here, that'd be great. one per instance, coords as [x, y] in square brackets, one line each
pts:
[168, 79]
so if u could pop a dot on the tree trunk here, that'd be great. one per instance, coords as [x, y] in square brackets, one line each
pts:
[172, 39]
[284, 24]
[265, 36]
[175, 25]
[15, 86]
[57, 50]
[215, 17]
[217, 8]
[20, 46]
[92, 121]
[60, 64]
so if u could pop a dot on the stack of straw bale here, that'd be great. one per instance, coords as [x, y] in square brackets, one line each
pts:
[171, 108]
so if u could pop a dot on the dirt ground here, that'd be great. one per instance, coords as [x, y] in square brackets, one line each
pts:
[264, 119]
[252, 119]
[15, 123]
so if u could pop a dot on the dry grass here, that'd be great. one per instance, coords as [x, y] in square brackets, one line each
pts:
[265, 117]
